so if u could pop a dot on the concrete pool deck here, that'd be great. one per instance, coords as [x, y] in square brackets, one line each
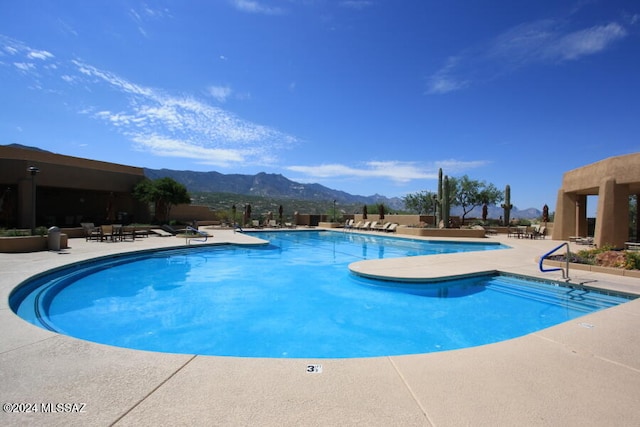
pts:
[582, 372]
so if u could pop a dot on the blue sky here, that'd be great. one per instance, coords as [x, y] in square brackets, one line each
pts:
[364, 96]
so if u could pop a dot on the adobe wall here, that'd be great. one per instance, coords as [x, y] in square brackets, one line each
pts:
[613, 180]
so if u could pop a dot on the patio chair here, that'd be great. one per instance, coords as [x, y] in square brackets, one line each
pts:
[540, 233]
[128, 233]
[91, 232]
[106, 233]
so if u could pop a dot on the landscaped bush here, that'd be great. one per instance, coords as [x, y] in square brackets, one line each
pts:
[14, 233]
[606, 257]
[633, 261]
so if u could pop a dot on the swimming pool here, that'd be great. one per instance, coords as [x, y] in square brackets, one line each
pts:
[293, 298]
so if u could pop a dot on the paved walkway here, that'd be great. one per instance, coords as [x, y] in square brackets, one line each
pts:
[584, 372]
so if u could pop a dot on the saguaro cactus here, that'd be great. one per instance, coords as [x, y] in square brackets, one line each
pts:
[439, 198]
[507, 206]
[446, 203]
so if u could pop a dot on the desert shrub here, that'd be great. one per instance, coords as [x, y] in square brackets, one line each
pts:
[589, 256]
[14, 233]
[632, 260]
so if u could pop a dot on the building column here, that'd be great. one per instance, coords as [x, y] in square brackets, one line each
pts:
[582, 225]
[637, 218]
[565, 217]
[613, 205]
[25, 202]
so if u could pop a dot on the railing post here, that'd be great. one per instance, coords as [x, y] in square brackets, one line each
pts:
[543, 257]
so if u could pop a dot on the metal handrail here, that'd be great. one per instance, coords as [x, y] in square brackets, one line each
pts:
[542, 258]
[198, 232]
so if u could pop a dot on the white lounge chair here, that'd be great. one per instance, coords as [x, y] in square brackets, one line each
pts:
[365, 226]
[391, 228]
[160, 232]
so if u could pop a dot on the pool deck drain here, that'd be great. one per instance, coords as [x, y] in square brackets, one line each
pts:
[569, 374]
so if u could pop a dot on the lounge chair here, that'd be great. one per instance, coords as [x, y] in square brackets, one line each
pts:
[391, 228]
[357, 225]
[160, 232]
[383, 227]
[365, 226]
[173, 231]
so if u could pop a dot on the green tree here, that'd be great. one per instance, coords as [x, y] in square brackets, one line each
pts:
[422, 202]
[471, 193]
[375, 209]
[164, 193]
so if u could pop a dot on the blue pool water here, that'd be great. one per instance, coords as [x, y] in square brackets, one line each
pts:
[293, 298]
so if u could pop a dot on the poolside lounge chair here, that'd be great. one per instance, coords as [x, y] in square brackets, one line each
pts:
[160, 232]
[173, 231]
[365, 226]
[383, 227]
[357, 225]
[371, 226]
[585, 241]
[391, 228]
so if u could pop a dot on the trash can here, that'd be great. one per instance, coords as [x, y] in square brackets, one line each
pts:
[53, 238]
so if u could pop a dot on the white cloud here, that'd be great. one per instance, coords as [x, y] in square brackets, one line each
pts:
[220, 93]
[586, 42]
[144, 14]
[39, 54]
[539, 42]
[168, 147]
[24, 66]
[397, 171]
[253, 6]
[182, 126]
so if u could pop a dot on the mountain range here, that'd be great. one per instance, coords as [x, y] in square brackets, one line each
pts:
[280, 187]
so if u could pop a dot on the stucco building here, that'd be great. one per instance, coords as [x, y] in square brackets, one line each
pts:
[613, 180]
[68, 190]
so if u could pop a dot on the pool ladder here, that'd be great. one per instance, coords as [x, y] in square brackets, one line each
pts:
[203, 236]
[565, 271]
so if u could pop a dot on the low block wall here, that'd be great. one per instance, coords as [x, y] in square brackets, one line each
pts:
[441, 232]
[592, 268]
[28, 244]
[330, 224]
